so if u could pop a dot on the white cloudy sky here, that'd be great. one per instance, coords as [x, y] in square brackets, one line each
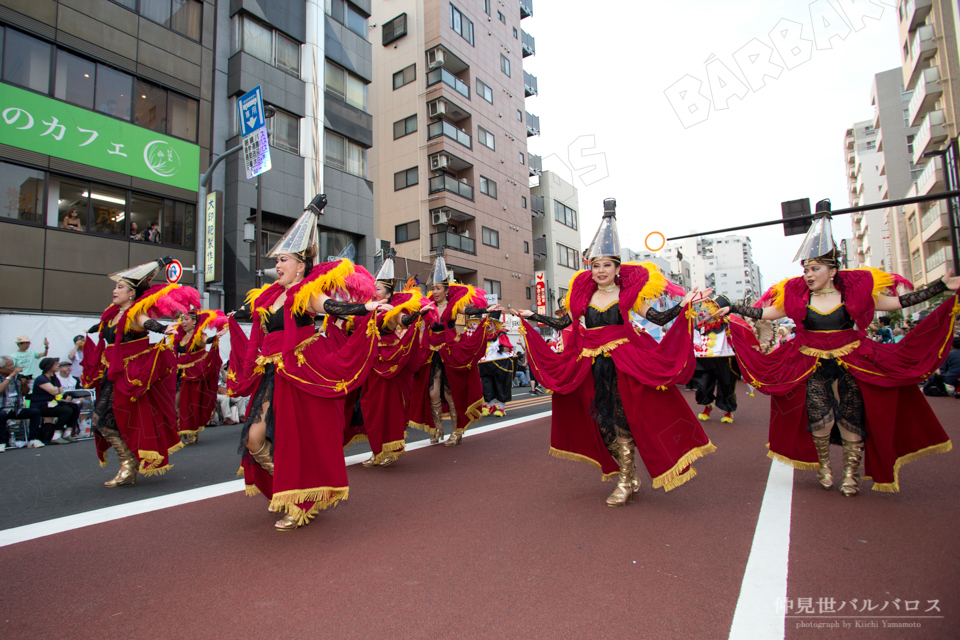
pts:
[603, 72]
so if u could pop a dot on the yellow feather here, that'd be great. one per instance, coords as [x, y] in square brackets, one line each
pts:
[325, 284]
[409, 307]
[778, 296]
[882, 281]
[145, 304]
[464, 300]
[656, 285]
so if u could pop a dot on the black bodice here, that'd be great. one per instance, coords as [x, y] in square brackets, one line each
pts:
[275, 320]
[836, 320]
[109, 334]
[596, 318]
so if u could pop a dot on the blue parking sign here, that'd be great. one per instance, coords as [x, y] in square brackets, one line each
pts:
[250, 105]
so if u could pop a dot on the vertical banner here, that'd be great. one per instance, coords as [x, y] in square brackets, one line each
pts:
[540, 278]
[212, 241]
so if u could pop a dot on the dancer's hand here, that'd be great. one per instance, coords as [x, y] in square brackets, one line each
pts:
[952, 281]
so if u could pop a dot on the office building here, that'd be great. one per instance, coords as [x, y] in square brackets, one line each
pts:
[556, 245]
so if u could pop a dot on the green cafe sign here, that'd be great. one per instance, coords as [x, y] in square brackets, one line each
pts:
[37, 123]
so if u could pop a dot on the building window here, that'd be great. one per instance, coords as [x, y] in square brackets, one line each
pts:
[502, 18]
[486, 7]
[183, 16]
[492, 287]
[113, 92]
[346, 86]
[267, 44]
[521, 158]
[488, 187]
[528, 293]
[406, 178]
[491, 238]
[515, 33]
[21, 193]
[74, 80]
[345, 14]
[485, 92]
[407, 232]
[871, 144]
[404, 76]
[910, 148]
[519, 115]
[505, 64]
[567, 257]
[564, 214]
[526, 247]
[395, 29]
[404, 127]
[912, 223]
[486, 138]
[461, 24]
[283, 131]
[523, 202]
[345, 155]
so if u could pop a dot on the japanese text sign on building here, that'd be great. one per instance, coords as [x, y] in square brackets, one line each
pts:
[44, 125]
[540, 280]
[253, 129]
[210, 238]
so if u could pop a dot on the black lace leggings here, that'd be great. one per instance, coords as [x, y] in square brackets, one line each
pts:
[439, 385]
[825, 410]
[260, 418]
[607, 408]
[102, 419]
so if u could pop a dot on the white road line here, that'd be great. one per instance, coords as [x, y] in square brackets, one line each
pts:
[760, 607]
[99, 516]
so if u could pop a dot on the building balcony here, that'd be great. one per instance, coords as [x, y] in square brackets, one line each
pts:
[529, 84]
[450, 240]
[915, 13]
[449, 130]
[444, 108]
[537, 207]
[446, 161]
[539, 248]
[528, 43]
[876, 118]
[449, 183]
[882, 167]
[935, 223]
[931, 180]
[931, 133]
[851, 157]
[535, 164]
[937, 262]
[533, 125]
[885, 190]
[858, 185]
[436, 76]
[925, 95]
[922, 48]
[526, 9]
[849, 142]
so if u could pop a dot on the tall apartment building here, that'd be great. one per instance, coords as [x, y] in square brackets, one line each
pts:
[107, 111]
[314, 64]
[864, 184]
[729, 267]
[928, 46]
[450, 129]
[556, 236]
[671, 262]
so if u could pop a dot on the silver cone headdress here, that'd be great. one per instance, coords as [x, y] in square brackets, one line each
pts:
[818, 244]
[440, 273]
[302, 240]
[606, 243]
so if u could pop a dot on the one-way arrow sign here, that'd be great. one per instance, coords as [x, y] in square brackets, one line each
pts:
[251, 112]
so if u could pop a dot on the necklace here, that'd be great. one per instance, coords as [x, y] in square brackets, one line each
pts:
[608, 288]
[824, 292]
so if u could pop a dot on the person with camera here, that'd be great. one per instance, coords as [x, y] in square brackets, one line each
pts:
[48, 398]
[11, 404]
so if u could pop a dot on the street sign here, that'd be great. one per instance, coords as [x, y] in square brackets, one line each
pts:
[174, 272]
[541, 284]
[210, 238]
[492, 299]
[253, 129]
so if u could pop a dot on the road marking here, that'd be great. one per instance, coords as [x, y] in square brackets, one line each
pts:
[760, 608]
[99, 516]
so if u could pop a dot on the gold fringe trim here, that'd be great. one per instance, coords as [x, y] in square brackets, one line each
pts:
[396, 445]
[251, 489]
[673, 478]
[322, 498]
[605, 348]
[832, 353]
[177, 447]
[190, 433]
[355, 439]
[796, 464]
[474, 413]
[420, 426]
[240, 472]
[155, 471]
[894, 487]
[576, 457]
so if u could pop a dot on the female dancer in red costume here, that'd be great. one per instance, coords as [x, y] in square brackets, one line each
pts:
[448, 375]
[136, 380]
[198, 370]
[614, 388]
[880, 410]
[292, 438]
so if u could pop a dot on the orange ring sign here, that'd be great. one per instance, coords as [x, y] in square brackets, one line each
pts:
[663, 241]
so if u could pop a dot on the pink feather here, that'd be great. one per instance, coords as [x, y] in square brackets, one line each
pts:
[479, 298]
[673, 289]
[174, 302]
[900, 281]
[361, 286]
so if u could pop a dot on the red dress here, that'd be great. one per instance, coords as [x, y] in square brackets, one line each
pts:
[899, 424]
[199, 371]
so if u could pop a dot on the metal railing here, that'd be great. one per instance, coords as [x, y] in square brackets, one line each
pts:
[537, 206]
[451, 184]
[451, 240]
[529, 84]
[931, 75]
[535, 163]
[528, 43]
[444, 76]
[938, 257]
[444, 128]
[930, 216]
[526, 8]
[533, 124]
[929, 173]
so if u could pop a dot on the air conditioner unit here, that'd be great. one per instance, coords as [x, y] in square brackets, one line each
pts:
[440, 217]
[435, 58]
[438, 162]
[466, 233]
[437, 108]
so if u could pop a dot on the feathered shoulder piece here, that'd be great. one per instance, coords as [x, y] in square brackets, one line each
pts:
[461, 296]
[207, 320]
[775, 295]
[880, 282]
[580, 291]
[643, 282]
[328, 278]
[404, 303]
[361, 286]
[163, 301]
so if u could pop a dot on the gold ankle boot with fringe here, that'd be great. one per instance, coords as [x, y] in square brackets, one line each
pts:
[824, 473]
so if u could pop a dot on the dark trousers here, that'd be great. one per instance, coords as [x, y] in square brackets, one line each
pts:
[33, 415]
[66, 413]
[715, 379]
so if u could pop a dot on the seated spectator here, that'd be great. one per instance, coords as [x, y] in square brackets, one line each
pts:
[71, 221]
[135, 232]
[26, 360]
[11, 405]
[232, 410]
[44, 399]
[68, 382]
[153, 233]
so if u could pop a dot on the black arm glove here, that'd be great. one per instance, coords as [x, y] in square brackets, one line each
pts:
[475, 311]
[242, 314]
[663, 317]
[153, 325]
[916, 297]
[334, 308]
[94, 329]
[211, 339]
[409, 320]
[747, 312]
[555, 323]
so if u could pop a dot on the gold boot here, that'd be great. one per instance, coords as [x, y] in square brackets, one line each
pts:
[624, 491]
[456, 435]
[288, 522]
[852, 454]
[824, 473]
[614, 450]
[264, 459]
[436, 410]
[128, 463]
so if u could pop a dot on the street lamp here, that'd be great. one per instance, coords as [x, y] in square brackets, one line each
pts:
[268, 112]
